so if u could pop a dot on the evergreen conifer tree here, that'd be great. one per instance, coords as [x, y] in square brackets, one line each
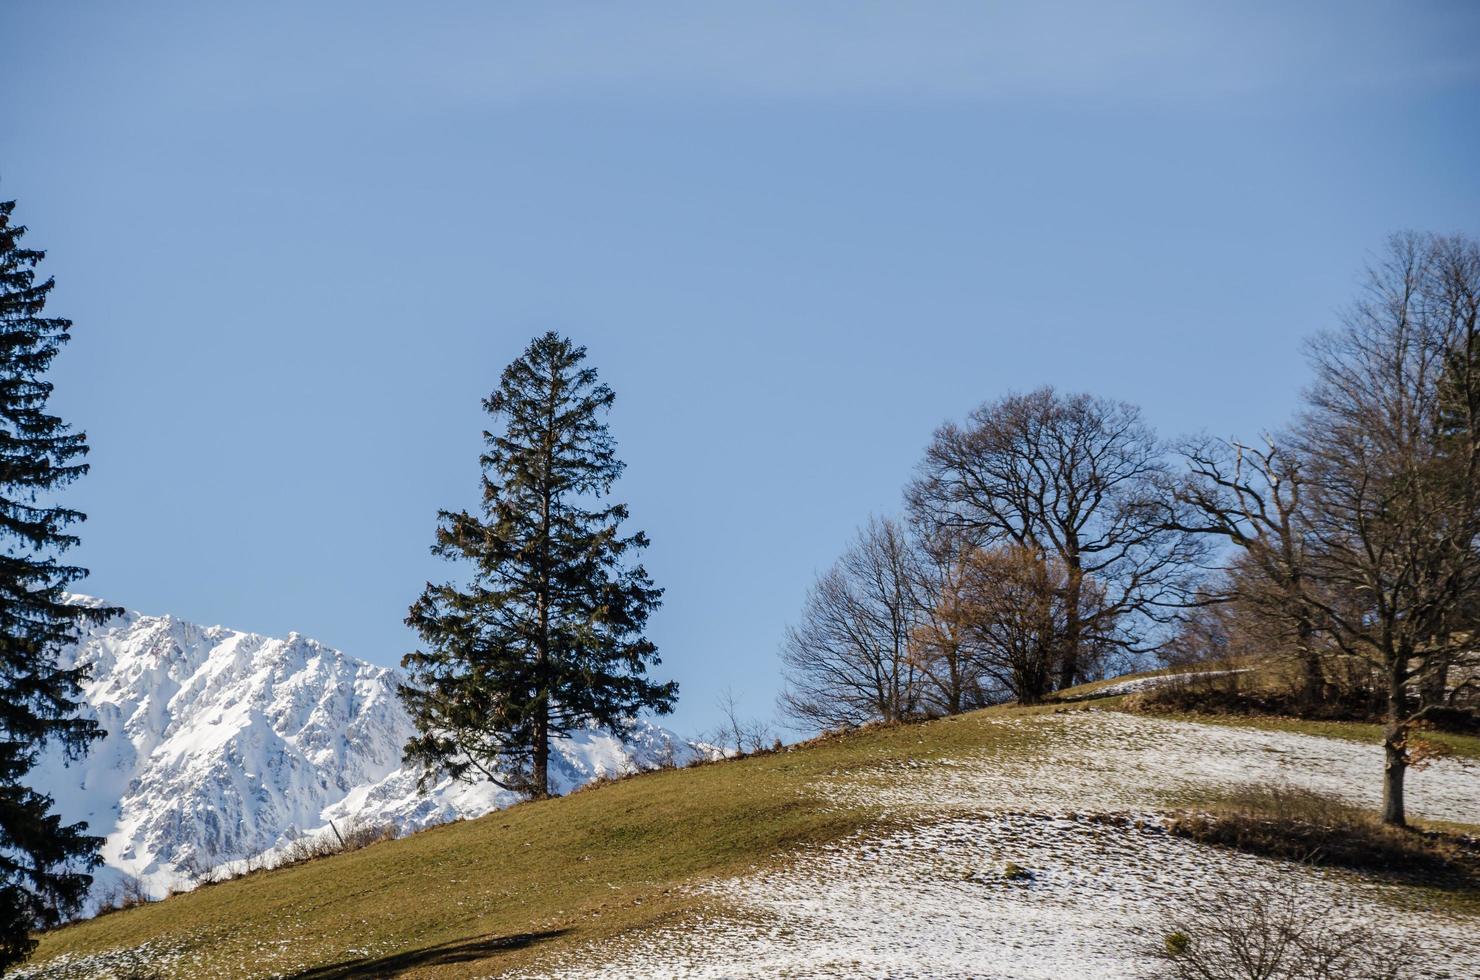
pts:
[44, 863]
[549, 634]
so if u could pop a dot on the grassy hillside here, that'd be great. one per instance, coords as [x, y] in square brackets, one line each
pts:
[483, 896]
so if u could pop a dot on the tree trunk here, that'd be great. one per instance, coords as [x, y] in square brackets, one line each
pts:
[540, 765]
[1395, 757]
[1037, 674]
[1395, 766]
[1069, 664]
[540, 777]
[957, 683]
[1031, 688]
[1314, 687]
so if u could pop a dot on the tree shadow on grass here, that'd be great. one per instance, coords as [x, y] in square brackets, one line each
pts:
[457, 951]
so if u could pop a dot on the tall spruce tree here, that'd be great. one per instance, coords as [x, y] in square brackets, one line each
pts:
[44, 863]
[548, 636]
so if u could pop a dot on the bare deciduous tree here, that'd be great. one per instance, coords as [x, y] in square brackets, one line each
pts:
[1078, 478]
[1391, 440]
[1018, 610]
[735, 731]
[1252, 497]
[848, 662]
[951, 672]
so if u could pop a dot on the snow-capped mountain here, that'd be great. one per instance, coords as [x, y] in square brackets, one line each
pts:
[222, 745]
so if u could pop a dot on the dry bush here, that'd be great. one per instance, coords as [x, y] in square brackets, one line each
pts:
[334, 841]
[133, 892]
[309, 849]
[127, 893]
[359, 835]
[199, 869]
[737, 736]
[1460, 720]
[1251, 931]
[1301, 825]
[1218, 687]
[1265, 690]
[1296, 670]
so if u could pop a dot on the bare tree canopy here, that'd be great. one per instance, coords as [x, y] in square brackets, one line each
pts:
[1077, 478]
[943, 645]
[1018, 611]
[848, 661]
[1252, 496]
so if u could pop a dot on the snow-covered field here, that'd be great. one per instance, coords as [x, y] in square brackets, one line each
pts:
[933, 901]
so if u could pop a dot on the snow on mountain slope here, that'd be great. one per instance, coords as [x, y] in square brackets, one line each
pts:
[222, 745]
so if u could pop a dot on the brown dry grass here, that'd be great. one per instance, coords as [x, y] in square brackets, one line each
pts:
[1301, 825]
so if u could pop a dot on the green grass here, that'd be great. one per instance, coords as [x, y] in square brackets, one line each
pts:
[482, 895]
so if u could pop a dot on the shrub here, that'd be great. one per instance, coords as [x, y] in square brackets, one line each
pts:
[359, 835]
[199, 868]
[1262, 932]
[1227, 696]
[1016, 872]
[334, 841]
[127, 893]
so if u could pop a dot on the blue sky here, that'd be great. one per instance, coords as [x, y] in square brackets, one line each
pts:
[300, 244]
